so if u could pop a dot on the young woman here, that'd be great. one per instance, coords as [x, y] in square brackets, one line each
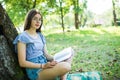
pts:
[32, 52]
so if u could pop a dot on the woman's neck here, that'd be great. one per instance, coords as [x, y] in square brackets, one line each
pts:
[31, 31]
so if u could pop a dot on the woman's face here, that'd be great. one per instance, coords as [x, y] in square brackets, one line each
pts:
[36, 21]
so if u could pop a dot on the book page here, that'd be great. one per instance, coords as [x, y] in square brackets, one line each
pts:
[63, 55]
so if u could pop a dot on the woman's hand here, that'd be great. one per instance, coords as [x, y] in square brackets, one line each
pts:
[49, 64]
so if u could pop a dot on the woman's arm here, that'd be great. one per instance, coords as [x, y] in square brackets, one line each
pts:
[27, 64]
[22, 57]
[48, 56]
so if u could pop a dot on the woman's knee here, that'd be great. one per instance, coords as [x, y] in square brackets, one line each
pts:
[59, 70]
[64, 66]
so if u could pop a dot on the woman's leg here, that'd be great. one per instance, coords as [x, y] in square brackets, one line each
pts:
[51, 73]
[61, 69]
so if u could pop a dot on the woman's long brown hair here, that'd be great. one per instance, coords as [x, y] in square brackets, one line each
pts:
[28, 20]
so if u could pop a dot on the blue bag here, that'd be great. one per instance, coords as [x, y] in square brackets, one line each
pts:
[84, 76]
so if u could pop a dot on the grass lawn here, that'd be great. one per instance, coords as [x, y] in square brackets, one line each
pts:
[97, 49]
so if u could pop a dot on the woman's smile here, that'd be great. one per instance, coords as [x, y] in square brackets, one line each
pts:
[37, 25]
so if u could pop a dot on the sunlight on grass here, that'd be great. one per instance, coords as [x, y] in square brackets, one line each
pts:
[97, 49]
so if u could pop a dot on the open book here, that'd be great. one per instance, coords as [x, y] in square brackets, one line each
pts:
[63, 55]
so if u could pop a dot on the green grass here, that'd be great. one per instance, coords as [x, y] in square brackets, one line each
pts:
[96, 49]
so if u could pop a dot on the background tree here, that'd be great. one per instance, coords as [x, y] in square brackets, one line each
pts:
[17, 9]
[53, 13]
[114, 13]
[61, 10]
[80, 12]
[57, 5]
[83, 13]
[76, 11]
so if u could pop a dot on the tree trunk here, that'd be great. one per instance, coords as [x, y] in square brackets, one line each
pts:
[76, 21]
[61, 13]
[76, 6]
[114, 13]
[9, 67]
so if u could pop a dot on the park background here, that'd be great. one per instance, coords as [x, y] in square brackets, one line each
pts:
[91, 27]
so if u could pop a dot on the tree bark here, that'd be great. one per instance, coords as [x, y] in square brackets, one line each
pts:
[9, 67]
